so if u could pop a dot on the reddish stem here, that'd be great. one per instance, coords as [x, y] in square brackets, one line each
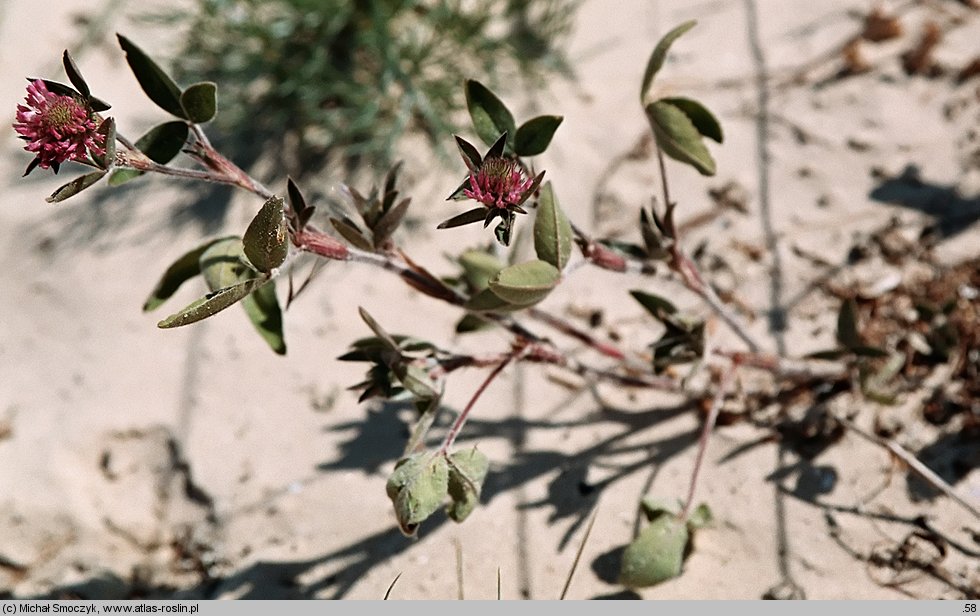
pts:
[461, 419]
[709, 425]
[570, 330]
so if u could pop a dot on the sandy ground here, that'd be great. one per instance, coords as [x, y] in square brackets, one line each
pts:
[195, 463]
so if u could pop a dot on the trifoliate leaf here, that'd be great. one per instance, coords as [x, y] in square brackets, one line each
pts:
[656, 555]
[417, 488]
[467, 471]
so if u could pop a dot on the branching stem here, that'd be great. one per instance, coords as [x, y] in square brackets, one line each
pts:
[691, 275]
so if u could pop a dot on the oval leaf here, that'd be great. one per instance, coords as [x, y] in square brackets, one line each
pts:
[211, 304]
[155, 82]
[223, 264]
[266, 238]
[656, 555]
[525, 283]
[467, 471]
[488, 301]
[164, 141]
[262, 308]
[180, 271]
[678, 137]
[490, 116]
[417, 488]
[703, 120]
[75, 186]
[552, 231]
[118, 177]
[533, 136]
[200, 101]
[656, 61]
[478, 268]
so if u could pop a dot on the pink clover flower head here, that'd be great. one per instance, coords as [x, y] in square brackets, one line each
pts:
[57, 128]
[499, 183]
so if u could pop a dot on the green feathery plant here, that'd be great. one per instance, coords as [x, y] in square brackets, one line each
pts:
[318, 81]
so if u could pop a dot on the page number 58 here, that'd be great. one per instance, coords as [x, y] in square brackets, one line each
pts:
[970, 608]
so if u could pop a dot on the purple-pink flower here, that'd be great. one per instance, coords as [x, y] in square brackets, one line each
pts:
[499, 183]
[57, 128]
